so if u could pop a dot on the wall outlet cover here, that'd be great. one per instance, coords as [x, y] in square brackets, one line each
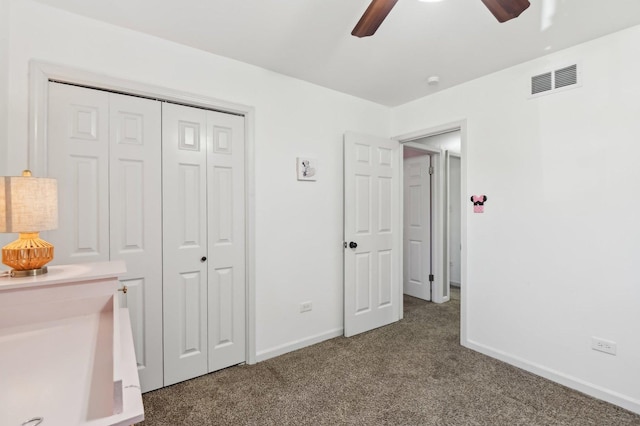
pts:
[602, 345]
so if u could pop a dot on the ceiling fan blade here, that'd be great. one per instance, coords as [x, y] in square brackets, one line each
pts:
[373, 17]
[504, 10]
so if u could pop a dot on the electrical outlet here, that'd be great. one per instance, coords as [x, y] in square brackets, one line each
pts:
[605, 346]
[306, 306]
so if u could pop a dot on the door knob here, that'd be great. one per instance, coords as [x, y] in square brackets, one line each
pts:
[123, 289]
[203, 259]
[353, 244]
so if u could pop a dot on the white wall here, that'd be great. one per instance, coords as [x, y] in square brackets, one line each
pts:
[554, 258]
[298, 224]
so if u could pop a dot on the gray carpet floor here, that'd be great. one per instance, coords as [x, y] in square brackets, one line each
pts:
[413, 372]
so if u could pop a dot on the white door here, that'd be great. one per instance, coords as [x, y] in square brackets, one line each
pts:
[136, 224]
[417, 227]
[372, 271]
[204, 266]
[104, 149]
[225, 212]
[184, 163]
[78, 156]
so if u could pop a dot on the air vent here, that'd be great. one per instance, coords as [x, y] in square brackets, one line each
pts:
[552, 81]
[541, 83]
[566, 76]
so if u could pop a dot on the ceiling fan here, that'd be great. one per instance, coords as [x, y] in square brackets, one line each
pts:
[378, 10]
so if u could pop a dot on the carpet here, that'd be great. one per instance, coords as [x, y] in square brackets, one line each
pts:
[414, 372]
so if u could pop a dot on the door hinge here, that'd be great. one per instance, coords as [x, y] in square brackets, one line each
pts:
[430, 170]
[430, 278]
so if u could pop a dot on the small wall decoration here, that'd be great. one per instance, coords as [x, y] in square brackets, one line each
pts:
[307, 169]
[478, 203]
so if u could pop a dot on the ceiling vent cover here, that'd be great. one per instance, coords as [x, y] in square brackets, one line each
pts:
[553, 81]
[541, 83]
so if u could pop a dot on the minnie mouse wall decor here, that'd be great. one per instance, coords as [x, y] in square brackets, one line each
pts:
[478, 203]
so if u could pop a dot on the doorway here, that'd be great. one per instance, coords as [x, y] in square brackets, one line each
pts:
[373, 206]
[440, 212]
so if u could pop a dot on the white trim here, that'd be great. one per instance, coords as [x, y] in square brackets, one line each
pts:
[298, 344]
[446, 253]
[463, 232]
[40, 73]
[431, 131]
[398, 245]
[558, 377]
[400, 222]
[447, 219]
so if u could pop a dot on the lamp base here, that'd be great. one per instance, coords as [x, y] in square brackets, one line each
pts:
[28, 253]
[28, 273]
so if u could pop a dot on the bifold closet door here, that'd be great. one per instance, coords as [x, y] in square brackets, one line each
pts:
[135, 200]
[226, 225]
[184, 164]
[204, 276]
[105, 149]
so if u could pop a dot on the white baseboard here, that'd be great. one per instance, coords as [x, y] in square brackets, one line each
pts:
[590, 389]
[298, 344]
[454, 284]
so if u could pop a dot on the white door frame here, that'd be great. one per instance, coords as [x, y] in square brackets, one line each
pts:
[447, 248]
[407, 139]
[40, 73]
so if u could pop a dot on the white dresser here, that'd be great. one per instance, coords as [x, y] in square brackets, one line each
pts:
[66, 349]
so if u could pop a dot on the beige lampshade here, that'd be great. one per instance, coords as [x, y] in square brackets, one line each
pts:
[28, 204]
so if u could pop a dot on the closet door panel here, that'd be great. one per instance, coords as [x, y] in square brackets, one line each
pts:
[185, 242]
[225, 199]
[136, 223]
[78, 156]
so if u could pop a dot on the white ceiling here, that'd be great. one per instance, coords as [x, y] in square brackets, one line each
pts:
[458, 40]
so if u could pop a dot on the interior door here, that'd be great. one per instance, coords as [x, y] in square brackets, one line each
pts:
[226, 267]
[372, 200]
[184, 210]
[417, 227]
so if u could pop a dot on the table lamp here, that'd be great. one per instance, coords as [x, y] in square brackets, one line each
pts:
[28, 205]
